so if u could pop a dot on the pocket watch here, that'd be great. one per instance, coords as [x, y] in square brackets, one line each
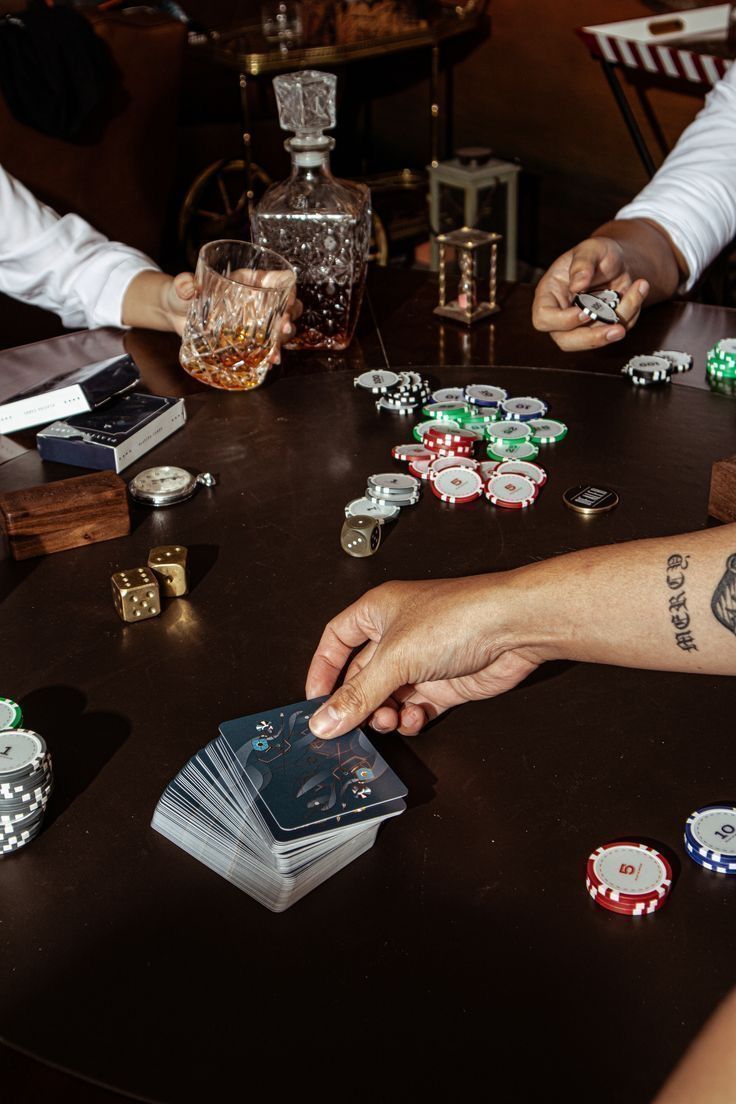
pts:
[167, 485]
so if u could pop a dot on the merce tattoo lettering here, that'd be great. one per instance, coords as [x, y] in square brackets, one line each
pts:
[723, 602]
[677, 565]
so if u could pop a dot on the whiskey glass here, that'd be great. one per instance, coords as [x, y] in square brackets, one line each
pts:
[232, 329]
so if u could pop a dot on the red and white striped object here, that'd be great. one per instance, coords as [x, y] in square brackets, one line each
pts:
[660, 45]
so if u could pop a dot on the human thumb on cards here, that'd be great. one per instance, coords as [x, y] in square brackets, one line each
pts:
[352, 704]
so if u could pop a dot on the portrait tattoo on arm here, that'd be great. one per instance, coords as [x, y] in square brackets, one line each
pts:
[723, 602]
[677, 565]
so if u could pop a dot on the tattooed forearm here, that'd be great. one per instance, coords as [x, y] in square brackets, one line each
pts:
[723, 602]
[679, 615]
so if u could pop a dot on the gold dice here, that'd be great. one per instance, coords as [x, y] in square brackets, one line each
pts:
[169, 565]
[135, 594]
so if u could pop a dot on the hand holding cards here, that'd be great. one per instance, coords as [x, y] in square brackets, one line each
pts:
[276, 810]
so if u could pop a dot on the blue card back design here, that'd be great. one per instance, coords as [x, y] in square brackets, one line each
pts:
[303, 780]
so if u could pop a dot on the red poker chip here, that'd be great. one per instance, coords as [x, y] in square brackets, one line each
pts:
[625, 904]
[513, 492]
[450, 437]
[421, 468]
[626, 872]
[523, 467]
[457, 485]
[644, 909]
[407, 453]
[440, 463]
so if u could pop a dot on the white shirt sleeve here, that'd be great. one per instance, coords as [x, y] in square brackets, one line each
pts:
[62, 264]
[693, 194]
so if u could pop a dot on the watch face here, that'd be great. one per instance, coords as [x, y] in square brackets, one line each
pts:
[162, 484]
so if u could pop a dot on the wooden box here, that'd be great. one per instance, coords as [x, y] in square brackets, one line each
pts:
[65, 514]
[722, 497]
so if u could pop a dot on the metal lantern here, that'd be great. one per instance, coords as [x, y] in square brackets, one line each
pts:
[468, 244]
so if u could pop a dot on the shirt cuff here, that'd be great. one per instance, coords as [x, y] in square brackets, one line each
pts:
[108, 310]
[674, 231]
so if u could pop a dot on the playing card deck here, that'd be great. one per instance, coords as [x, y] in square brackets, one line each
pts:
[276, 810]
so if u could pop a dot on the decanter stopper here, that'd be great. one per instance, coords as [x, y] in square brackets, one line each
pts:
[306, 103]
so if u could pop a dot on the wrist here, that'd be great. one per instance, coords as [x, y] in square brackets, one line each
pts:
[534, 621]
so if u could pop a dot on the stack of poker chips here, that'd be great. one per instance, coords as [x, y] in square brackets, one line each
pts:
[458, 420]
[710, 838]
[25, 780]
[628, 879]
[720, 361]
[398, 392]
[600, 306]
[658, 368]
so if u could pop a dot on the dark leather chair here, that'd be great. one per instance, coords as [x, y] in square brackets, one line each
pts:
[118, 175]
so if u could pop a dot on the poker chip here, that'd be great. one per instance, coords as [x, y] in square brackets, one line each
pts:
[378, 382]
[482, 394]
[523, 409]
[486, 468]
[441, 410]
[626, 875]
[597, 308]
[508, 432]
[26, 782]
[449, 437]
[369, 507]
[523, 467]
[480, 419]
[646, 371]
[457, 485]
[679, 362]
[513, 492]
[608, 295]
[523, 450]
[421, 468]
[11, 714]
[641, 909]
[450, 395]
[411, 452]
[721, 359]
[393, 483]
[446, 425]
[545, 431]
[396, 408]
[710, 837]
[443, 462]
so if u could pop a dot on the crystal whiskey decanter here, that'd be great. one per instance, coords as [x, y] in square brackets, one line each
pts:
[321, 225]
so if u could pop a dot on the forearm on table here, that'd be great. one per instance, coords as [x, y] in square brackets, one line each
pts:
[665, 604]
[707, 1073]
[146, 301]
[649, 254]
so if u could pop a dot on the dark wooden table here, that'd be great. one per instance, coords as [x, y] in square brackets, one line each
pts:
[464, 945]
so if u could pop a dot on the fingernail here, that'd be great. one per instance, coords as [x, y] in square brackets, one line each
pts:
[288, 329]
[643, 288]
[583, 317]
[614, 335]
[324, 721]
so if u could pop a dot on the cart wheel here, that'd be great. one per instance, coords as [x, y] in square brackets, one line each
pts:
[378, 247]
[216, 205]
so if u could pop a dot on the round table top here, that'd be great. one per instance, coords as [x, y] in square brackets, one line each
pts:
[465, 939]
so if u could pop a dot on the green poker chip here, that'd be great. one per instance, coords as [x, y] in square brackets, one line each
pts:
[545, 431]
[11, 714]
[444, 410]
[476, 420]
[521, 450]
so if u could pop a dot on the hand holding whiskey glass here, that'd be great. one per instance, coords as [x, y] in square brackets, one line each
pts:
[234, 322]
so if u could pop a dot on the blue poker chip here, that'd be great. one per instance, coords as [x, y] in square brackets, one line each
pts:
[483, 394]
[710, 833]
[709, 864]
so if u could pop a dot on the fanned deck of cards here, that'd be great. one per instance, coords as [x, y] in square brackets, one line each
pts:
[276, 810]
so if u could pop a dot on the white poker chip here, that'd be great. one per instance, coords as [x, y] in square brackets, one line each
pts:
[513, 491]
[443, 462]
[679, 362]
[508, 431]
[378, 381]
[523, 467]
[393, 482]
[394, 408]
[483, 394]
[372, 508]
[609, 296]
[597, 309]
[449, 394]
[21, 752]
[456, 484]
[411, 452]
[524, 409]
